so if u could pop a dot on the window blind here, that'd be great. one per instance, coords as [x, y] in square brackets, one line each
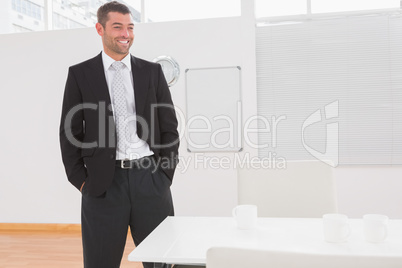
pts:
[336, 86]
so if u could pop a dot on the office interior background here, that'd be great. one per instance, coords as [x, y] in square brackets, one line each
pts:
[296, 58]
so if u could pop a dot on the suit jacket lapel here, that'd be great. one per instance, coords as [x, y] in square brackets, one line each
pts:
[141, 84]
[96, 76]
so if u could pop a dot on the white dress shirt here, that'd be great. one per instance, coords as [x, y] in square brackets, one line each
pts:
[138, 148]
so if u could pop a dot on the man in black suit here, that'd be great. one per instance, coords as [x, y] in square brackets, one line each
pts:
[119, 141]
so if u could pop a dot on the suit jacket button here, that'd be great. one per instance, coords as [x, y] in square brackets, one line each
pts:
[111, 156]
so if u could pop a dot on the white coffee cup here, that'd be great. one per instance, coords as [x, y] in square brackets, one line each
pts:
[375, 227]
[336, 228]
[245, 216]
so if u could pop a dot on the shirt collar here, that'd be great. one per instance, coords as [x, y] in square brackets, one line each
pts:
[107, 61]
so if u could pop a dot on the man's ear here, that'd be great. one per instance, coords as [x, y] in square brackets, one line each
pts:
[99, 28]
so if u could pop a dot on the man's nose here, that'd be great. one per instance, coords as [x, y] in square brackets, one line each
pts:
[125, 33]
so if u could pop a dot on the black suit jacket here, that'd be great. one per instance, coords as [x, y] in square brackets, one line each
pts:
[87, 129]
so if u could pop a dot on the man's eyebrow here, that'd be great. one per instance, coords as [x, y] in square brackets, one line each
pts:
[118, 23]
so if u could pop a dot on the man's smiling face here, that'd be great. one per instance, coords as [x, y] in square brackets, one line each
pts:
[117, 35]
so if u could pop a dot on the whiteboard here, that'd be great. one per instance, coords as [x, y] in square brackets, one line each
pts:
[213, 119]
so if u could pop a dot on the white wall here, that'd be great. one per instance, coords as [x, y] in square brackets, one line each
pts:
[33, 185]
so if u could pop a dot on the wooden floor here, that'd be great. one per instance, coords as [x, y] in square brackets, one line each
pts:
[47, 249]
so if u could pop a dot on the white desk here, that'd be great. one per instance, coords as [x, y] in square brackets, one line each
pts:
[185, 240]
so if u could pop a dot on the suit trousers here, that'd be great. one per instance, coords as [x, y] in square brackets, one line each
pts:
[139, 197]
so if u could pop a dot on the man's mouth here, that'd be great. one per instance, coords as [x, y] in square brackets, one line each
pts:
[123, 41]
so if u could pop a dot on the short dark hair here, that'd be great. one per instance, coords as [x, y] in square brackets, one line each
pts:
[114, 6]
